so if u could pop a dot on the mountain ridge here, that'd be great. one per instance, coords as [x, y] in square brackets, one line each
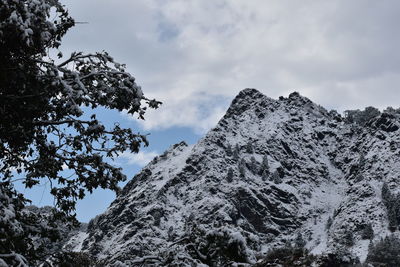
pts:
[269, 172]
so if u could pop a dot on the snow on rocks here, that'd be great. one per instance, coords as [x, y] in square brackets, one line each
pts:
[295, 169]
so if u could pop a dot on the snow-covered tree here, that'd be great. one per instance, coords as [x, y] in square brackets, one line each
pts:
[242, 168]
[361, 117]
[386, 252]
[328, 223]
[276, 178]
[264, 168]
[236, 152]
[299, 241]
[229, 150]
[253, 165]
[249, 148]
[386, 194]
[44, 128]
[229, 176]
[367, 232]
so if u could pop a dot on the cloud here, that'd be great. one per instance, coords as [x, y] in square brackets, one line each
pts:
[195, 56]
[140, 159]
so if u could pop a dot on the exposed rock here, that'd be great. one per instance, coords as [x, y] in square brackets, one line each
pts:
[180, 210]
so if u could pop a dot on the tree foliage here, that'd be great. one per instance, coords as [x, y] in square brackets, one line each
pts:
[385, 252]
[367, 232]
[392, 203]
[47, 129]
[43, 129]
[361, 117]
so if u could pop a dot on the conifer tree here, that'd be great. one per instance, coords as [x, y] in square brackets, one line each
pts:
[392, 218]
[386, 194]
[264, 168]
[367, 232]
[236, 152]
[242, 170]
[348, 238]
[361, 160]
[249, 148]
[229, 176]
[253, 165]
[328, 223]
[265, 176]
[229, 150]
[276, 178]
[299, 242]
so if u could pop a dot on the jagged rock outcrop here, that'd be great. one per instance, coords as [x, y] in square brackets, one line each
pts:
[292, 166]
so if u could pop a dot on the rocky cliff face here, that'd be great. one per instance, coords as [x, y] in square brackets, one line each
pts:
[271, 173]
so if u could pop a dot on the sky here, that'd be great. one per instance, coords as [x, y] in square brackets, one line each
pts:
[196, 55]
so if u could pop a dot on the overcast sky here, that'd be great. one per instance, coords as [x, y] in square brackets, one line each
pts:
[195, 56]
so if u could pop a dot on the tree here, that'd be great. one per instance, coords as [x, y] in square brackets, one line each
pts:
[236, 152]
[44, 126]
[249, 148]
[229, 176]
[42, 130]
[386, 194]
[361, 160]
[328, 223]
[253, 165]
[264, 168]
[276, 178]
[385, 252]
[392, 218]
[348, 238]
[299, 241]
[241, 166]
[367, 232]
[361, 117]
[229, 150]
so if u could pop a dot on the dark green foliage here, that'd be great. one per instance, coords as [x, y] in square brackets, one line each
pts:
[392, 203]
[299, 242]
[287, 257]
[361, 117]
[361, 160]
[216, 248]
[236, 152]
[367, 232]
[391, 110]
[264, 168]
[276, 178]
[28, 230]
[229, 151]
[253, 165]
[242, 168]
[249, 148]
[392, 219]
[386, 194]
[385, 252]
[42, 127]
[73, 259]
[328, 223]
[265, 176]
[229, 176]
[347, 238]
[339, 259]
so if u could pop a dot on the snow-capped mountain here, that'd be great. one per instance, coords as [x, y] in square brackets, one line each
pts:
[271, 173]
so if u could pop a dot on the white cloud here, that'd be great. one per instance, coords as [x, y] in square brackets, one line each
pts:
[140, 159]
[197, 55]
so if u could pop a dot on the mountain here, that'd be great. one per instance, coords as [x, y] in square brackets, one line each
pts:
[272, 173]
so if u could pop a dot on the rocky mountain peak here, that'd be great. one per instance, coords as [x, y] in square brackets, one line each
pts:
[272, 173]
